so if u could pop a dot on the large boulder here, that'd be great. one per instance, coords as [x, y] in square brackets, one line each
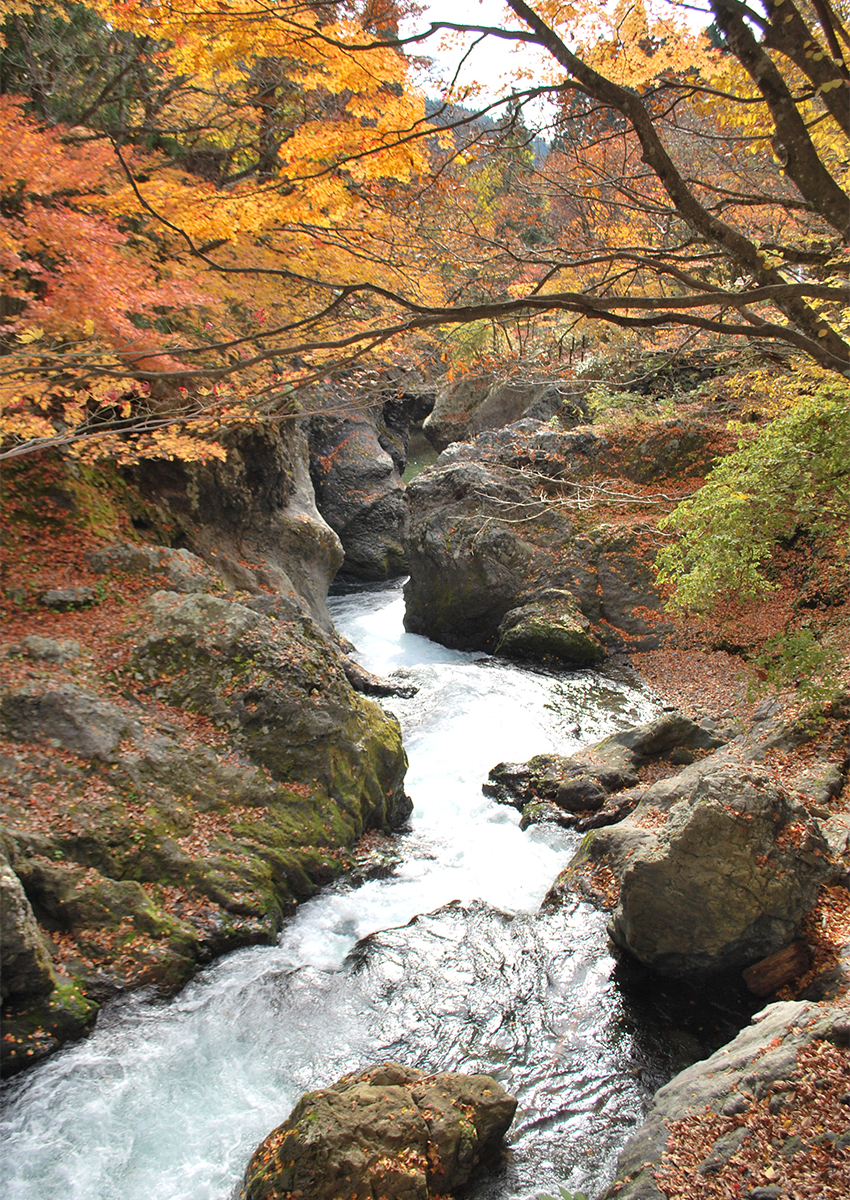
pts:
[390, 1131]
[724, 881]
[488, 535]
[516, 519]
[182, 570]
[78, 721]
[276, 684]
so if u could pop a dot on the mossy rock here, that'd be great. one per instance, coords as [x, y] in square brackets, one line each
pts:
[550, 627]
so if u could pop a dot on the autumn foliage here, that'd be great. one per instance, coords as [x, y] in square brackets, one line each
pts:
[207, 209]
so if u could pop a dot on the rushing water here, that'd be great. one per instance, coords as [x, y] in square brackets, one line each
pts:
[455, 969]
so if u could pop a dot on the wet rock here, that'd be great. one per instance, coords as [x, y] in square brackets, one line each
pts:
[185, 572]
[585, 782]
[725, 881]
[73, 719]
[373, 685]
[388, 1131]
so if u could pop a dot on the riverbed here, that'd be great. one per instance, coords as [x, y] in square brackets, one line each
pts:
[442, 962]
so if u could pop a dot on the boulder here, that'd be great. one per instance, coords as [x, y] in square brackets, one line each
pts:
[584, 783]
[467, 406]
[724, 882]
[482, 547]
[69, 598]
[184, 571]
[50, 650]
[75, 720]
[549, 627]
[279, 687]
[512, 516]
[390, 1131]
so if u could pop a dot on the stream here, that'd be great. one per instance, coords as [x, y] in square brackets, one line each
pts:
[442, 963]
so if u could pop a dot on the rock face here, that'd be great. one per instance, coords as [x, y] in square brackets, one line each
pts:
[356, 463]
[724, 882]
[360, 494]
[294, 713]
[253, 518]
[467, 406]
[26, 967]
[498, 557]
[390, 1131]
[749, 1077]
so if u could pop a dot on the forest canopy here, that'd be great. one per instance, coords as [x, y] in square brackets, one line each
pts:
[206, 209]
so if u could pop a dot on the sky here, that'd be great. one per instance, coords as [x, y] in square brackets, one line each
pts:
[490, 64]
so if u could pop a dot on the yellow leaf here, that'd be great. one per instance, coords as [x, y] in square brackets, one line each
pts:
[30, 335]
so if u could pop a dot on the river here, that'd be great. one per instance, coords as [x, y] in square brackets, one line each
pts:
[443, 963]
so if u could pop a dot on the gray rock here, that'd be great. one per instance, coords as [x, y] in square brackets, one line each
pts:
[252, 518]
[75, 720]
[389, 1131]
[71, 897]
[186, 572]
[49, 650]
[68, 598]
[474, 404]
[217, 621]
[584, 781]
[26, 968]
[724, 883]
[549, 627]
[820, 783]
[279, 686]
[359, 493]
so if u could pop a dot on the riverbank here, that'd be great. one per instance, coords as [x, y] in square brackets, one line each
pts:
[180, 763]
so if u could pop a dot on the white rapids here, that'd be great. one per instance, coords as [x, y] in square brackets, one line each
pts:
[166, 1100]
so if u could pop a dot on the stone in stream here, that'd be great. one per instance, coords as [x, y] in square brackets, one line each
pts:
[587, 789]
[390, 1131]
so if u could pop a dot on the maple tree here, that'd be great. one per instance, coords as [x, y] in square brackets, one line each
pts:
[286, 208]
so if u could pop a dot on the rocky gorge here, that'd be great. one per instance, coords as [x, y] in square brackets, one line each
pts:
[189, 750]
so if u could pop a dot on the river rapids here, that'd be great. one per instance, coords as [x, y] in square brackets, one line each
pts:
[441, 963]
